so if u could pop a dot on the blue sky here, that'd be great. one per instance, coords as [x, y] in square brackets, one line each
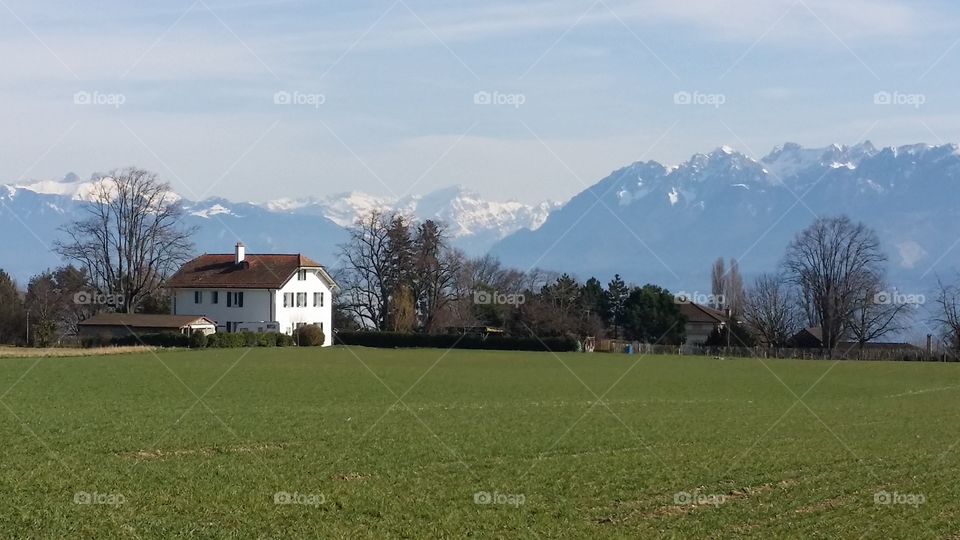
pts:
[391, 97]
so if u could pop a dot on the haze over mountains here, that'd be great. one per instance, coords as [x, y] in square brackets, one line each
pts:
[646, 221]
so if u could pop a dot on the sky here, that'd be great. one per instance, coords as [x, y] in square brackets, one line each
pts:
[531, 101]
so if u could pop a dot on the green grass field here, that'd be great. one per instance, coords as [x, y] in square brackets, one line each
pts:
[384, 444]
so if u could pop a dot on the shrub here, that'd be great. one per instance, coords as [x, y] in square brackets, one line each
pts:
[309, 336]
[284, 340]
[164, 339]
[198, 339]
[455, 341]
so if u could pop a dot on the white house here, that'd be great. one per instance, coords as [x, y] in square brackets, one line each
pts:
[256, 293]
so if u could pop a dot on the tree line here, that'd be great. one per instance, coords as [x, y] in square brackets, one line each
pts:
[401, 275]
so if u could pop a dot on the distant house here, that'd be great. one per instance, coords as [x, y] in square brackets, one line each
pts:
[112, 325]
[701, 322]
[812, 338]
[256, 293]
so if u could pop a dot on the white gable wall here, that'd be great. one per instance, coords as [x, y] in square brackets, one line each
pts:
[290, 316]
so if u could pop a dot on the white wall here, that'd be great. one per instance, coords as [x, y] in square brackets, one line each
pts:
[256, 306]
[289, 316]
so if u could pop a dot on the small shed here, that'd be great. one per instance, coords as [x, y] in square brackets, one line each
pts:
[112, 325]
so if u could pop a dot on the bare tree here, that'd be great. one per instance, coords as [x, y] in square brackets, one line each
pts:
[726, 285]
[366, 272]
[877, 313]
[947, 314]
[771, 309]
[718, 283]
[436, 267]
[132, 238]
[833, 261]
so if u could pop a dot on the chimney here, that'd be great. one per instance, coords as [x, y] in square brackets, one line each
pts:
[241, 253]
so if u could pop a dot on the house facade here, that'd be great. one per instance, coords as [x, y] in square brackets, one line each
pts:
[255, 293]
[701, 321]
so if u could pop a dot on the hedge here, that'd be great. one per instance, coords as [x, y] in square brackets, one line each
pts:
[165, 339]
[214, 341]
[454, 341]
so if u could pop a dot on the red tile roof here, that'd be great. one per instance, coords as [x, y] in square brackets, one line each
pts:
[255, 272]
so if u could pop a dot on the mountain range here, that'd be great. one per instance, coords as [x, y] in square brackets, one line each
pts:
[646, 221]
[665, 225]
[31, 212]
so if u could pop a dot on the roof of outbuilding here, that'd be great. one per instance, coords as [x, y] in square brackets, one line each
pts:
[695, 313]
[142, 320]
[255, 272]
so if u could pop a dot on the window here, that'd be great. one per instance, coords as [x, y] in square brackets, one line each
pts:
[317, 299]
[301, 299]
[215, 297]
[234, 299]
[197, 297]
[288, 299]
[301, 275]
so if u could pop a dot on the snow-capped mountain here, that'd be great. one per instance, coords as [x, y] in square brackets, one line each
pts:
[474, 223]
[666, 225]
[31, 212]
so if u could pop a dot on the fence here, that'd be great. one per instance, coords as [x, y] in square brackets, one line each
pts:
[846, 353]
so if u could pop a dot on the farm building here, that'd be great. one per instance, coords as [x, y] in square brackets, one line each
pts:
[812, 338]
[701, 321]
[111, 325]
[243, 292]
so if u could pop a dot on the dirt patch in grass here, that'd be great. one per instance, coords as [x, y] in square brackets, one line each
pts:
[57, 352]
[160, 455]
[697, 503]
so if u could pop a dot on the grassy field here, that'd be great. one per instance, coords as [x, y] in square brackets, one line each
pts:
[280, 443]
